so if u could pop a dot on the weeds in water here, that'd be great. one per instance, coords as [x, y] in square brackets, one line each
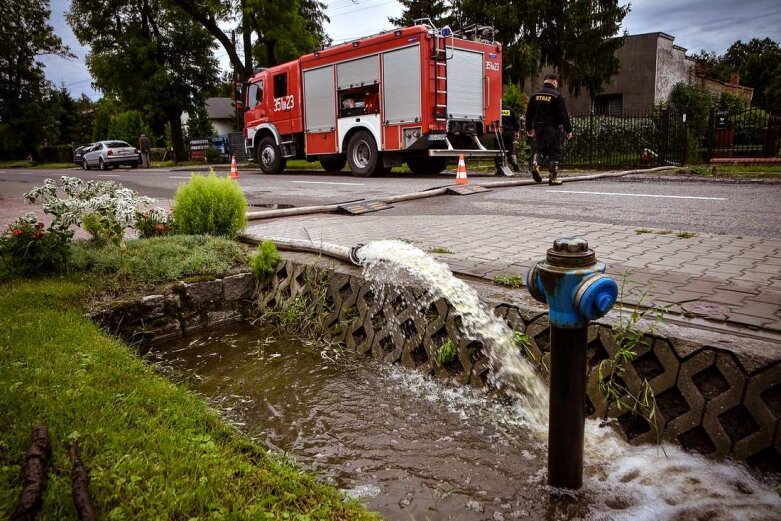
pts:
[686, 235]
[629, 338]
[508, 281]
[438, 249]
[304, 314]
[439, 495]
[446, 353]
[523, 343]
[640, 231]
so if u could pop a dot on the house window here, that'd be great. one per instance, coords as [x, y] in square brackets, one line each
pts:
[609, 105]
[280, 85]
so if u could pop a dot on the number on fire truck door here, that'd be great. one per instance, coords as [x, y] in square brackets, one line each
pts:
[283, 103]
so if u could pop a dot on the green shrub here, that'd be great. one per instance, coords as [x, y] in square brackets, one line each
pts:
[212, 155]
[27, 249]
[127, 126]
[265, 261]
[210, 205]
[55, 154]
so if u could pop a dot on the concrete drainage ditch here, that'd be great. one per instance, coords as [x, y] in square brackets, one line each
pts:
[715, 394]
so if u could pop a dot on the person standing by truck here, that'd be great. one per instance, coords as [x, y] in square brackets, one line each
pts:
[545, 114]
[144, 145]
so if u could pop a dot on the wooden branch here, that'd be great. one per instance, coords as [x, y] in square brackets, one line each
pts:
[34, 475]
[80, 483]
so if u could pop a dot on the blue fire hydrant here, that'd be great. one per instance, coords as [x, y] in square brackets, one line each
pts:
[573, 284]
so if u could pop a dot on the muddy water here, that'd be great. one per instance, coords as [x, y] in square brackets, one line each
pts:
[413, 448]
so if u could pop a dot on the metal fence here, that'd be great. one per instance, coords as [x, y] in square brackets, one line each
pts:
[754, 132]
[655, 137]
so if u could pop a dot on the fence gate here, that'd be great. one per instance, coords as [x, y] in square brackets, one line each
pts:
[754, 132]
[641, 139]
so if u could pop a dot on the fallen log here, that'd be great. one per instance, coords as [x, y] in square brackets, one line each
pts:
[34, 475]
[80, 484]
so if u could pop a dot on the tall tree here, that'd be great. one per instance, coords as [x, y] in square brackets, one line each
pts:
[27, 35]
[438, 11]
[283, 29]
[758, 64]
[579, 38]
[147, 55]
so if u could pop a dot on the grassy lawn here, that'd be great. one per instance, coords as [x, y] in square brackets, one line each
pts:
[765, 171]
[23, 163]
[154, 450]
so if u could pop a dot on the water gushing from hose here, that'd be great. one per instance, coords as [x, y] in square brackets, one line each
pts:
[386, 260]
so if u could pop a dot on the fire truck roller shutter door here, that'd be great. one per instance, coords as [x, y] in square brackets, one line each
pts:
[319, 99]
[356, 73]
[465, 85]
[401, 85]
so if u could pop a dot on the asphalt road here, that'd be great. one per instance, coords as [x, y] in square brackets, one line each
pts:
[745, 208]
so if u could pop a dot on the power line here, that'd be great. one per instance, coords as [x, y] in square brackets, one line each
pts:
[372, 6]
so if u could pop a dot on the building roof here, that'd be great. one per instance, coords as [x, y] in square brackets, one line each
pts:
[220, 108]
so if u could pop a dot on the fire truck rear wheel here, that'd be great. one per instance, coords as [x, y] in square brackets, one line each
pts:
[427, 165]
[270, 158]
[333, 163]
[362, 154]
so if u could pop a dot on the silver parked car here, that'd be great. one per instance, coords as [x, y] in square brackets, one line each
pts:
[107, 154]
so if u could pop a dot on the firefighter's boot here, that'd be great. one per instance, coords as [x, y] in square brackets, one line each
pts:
[554, 174]
[535, 168]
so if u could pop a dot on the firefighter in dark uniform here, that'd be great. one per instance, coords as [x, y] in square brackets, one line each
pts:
[545, 114]
[505, 140]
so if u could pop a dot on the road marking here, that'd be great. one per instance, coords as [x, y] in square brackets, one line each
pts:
[178, 177]
[109, 175]
[327, 183]
[641, 195]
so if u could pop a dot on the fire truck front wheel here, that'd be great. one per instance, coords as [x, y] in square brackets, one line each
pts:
[270, 158]
[362, 154]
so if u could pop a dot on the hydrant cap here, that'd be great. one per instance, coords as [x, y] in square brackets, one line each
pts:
[596, 296]
[571, 252]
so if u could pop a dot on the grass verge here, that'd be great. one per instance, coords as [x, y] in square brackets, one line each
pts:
[154, 450]
[722, 171]
[23, 163]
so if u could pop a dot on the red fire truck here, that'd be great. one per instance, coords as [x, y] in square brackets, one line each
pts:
[418, 95]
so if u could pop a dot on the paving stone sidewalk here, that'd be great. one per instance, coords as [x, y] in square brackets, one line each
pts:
[730, 280]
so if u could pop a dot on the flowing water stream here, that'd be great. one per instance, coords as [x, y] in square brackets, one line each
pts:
[414, 448]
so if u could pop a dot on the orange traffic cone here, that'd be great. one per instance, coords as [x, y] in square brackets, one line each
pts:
[461, 172]
[234, 168]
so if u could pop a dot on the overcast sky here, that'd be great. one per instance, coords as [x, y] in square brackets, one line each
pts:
[712, 25]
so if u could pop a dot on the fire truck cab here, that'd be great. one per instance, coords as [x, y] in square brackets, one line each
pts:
[418, 95]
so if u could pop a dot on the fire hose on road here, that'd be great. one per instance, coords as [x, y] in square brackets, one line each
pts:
[333, 208]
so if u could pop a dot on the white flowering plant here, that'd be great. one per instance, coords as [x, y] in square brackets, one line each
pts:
[111, 207]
